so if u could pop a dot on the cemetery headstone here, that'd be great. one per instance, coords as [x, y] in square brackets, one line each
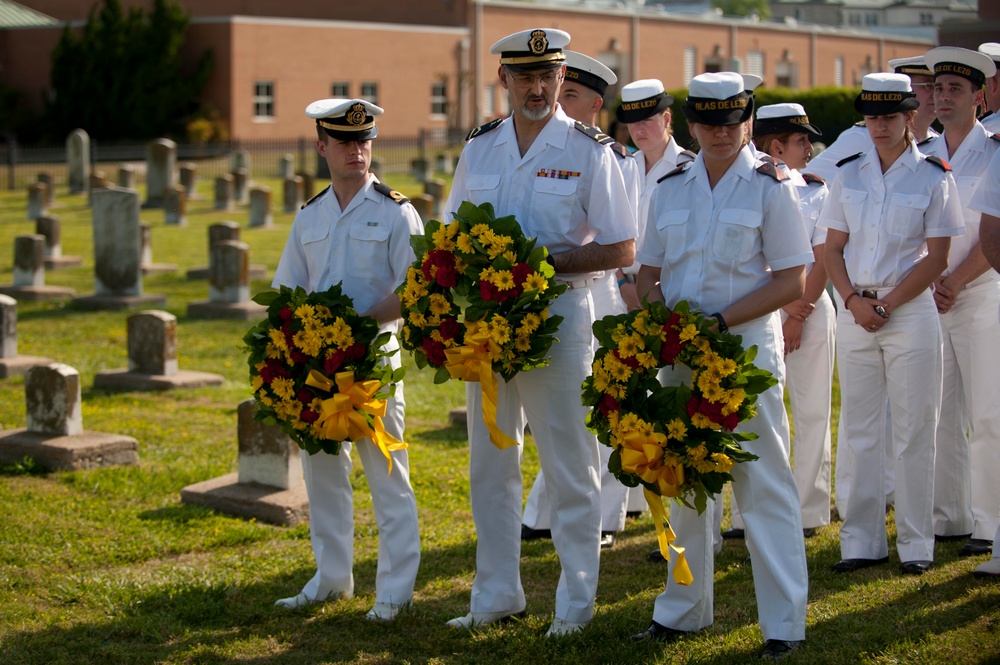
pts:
[189, 178]
[293, 194]
[286, 166]
[376, 167]
[260, 208]
[225, 231]
[50, 192]
[240, 185]
[38, 200]
[424, 203]
[175, 206]
[126, 176]
[421, 169]
[12, 364]
[308, 185]
[50, 228]
[228, 285]
[435, 188]
[78, 160]
[29, 272]
[239, 159]
[224, 192]
[161, 161]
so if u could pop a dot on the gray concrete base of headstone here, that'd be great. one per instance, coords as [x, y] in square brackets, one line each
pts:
[56, 452]
[62, 262]
[18, 365]
[252, 500]
[37, 293]
[458, 416]
[243, 311]
[157, 268]
[123, 379]
[112, 303]
[256, 271]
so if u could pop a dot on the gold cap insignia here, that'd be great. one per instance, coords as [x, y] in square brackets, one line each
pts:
[538, 42]
[357, 115]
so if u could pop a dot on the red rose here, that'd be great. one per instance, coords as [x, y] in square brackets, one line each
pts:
[449, 328]
[309, 416]
[434, 350]
[305, 396]
[669, 351]
[273, 369]
[487, 291]
[333, 363]
[608, 405]
[632, 361]
[731, 421]
[285, 313]
[355, 351]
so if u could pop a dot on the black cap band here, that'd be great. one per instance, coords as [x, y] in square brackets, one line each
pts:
[595, 83]
[717, 112]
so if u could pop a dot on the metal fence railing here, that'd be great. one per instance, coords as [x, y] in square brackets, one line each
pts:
[21, 165]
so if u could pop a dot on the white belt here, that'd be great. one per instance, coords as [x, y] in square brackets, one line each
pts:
[577, 283]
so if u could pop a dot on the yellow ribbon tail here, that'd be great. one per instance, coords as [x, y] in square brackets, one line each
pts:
[665, 538]
[471, 363]
[385, 441]
[488, 382]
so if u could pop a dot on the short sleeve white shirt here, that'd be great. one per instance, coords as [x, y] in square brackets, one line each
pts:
[366, 246]
[987, 198]
[889, 216]
[715, 246]
[969, 165]
[992, 122]
[566, 190]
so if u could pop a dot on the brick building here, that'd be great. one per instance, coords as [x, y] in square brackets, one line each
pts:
[427, 62]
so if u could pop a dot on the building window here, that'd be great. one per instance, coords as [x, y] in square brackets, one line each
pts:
[340, 89]
[838, 71]
[439, 99]
[926, 18]
[690, 58]
[369, 92]
[263, 99]
[755, 63]
[786, 73]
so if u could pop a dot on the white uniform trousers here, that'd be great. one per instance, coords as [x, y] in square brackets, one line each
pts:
[550, 399]
[331, 515]
[766, 491]
[843, 469]
[901, 363]
[614, 495]
[809, 371]
[966, 492]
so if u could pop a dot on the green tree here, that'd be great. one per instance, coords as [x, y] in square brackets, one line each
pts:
[743, 7]
[121, 76]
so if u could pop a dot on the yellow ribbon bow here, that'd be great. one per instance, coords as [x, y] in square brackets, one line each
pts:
[665, 538]
[472, 363]
[644, 456]
[341, 417]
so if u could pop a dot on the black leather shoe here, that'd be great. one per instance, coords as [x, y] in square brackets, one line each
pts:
[632, 514]
[976, 546]
[851, 565]
[733, 534]
[658, 633]
[527, 533]
[607, 540]
[778, 649]
[809, 532]
[951, 539]
[915, 567]
[655, 556]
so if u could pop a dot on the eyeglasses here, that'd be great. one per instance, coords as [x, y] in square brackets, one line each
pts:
[925, 86]
[523, 80]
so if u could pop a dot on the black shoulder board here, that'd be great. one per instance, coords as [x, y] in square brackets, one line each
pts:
[769, 169]
[602, 138]
[813, 179]
[986, 115]
[677, 171]
[687, 155]
[940, 163]
[848, 159]
[391, 193]
[482, 129]
[995, 137]
[322, 192]
[926, 141]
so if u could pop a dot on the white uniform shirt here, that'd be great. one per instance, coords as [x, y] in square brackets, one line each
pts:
[987, 198]
[992, 122]
[366, 246]
[567, 190]
[889, 216]
[851, 141]
[969, 164]
[715, 246]
[633, 180]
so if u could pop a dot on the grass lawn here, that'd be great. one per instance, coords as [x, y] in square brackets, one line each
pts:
[107, 566]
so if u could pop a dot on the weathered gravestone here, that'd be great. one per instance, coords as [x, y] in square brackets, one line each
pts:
[152, 358]
[46, 178]
[293, 194]
[175, 206]
[78, 160]
[260, 208]
[239, 159]
[29, 272]
[147, 264]
[55, 437]
[435, 188]
[38, 200]
[224, 192]
[126, 176]
[225, 231]
[376, 168]
[117, 254]
[49, 227]
[444, 164]
[98, 181]
[12, 364]
[228, 285]
[421, 169]
[308, 185]
[424, 203]
[286, 166]
[189, 178]
[268, 485]
[161, 161]
[240, 185]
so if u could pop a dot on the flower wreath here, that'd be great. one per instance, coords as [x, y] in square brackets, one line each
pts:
[476, 302]
[674, 441]
[317, 369]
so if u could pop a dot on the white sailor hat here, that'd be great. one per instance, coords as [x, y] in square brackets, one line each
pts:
[642, 99]
[538, 48]
[971, 65]
[913, 65]
[992, 49]
[885, 94]
[718, 98]
[751, 81]
[781, 118]
[346, 119]
[588, 72]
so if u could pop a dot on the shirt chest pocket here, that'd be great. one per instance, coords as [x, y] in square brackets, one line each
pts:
[736, 238]
[672, 229]
[368, 250]
[852, 201]
[967, 186]
[482, 188]
[552, 202]
[316, 247]
[906, 214]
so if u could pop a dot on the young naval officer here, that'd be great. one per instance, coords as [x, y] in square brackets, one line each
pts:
[566, 189]
[967, 294]
[581, 97]
[991, 91]
[356, 231]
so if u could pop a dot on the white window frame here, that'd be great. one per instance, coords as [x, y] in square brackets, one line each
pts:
[690, 60]
[346, 89]
[369, 91]
[439, 100]
[838, 71]
[263, 101]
